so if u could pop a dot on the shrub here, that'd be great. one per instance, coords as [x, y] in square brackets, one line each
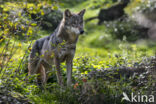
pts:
[125, 28]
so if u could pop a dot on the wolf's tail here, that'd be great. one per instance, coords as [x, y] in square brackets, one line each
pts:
[89, 19]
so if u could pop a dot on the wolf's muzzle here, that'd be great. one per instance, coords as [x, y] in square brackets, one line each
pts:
[82, 31]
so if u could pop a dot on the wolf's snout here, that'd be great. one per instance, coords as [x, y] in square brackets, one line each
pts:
[82, 31]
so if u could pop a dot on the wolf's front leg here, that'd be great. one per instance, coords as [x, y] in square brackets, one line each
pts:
[58, 71]
[69, 71]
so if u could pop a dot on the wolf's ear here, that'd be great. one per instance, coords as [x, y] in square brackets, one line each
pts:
[67, 13]
[81, 13]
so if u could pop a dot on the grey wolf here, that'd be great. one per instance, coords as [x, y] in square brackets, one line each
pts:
[56, 48]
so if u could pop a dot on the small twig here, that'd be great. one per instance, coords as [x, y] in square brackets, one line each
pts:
[5, 67]
[24, 56]
[5, 47]
[4, 52]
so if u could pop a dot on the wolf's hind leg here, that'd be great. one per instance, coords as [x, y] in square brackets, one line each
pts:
[42, 75]
[33, 66]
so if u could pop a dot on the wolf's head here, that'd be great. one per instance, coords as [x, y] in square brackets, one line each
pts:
[74, 22]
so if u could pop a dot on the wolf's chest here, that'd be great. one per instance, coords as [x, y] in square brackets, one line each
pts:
[63, 53]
